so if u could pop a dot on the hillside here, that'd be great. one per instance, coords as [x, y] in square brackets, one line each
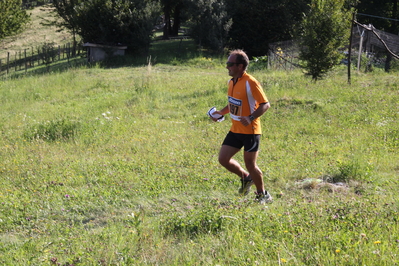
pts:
[34, 34]
[118, 165]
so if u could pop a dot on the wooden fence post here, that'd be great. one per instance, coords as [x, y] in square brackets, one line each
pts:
[26, 65]
[38, 56]
[32, 59]
[8, 61]
[69, 50]
[350, 48]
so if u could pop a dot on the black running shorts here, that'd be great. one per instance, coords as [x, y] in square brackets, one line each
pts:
[250, 142]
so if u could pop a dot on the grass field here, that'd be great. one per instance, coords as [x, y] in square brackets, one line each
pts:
[118, 166]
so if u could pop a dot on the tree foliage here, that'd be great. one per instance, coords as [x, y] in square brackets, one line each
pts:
[111, 22]
[324, 30]
[12, 17]
[257, 23]
[376, 10]
[65, 17]
[210, 23]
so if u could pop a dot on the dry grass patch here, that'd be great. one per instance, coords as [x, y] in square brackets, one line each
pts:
[35, 34]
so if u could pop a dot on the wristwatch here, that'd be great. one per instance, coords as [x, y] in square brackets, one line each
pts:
[251, 117]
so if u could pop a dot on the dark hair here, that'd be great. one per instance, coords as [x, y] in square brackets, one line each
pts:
[241, 57]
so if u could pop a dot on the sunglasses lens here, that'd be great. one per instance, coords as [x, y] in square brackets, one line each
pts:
[230, 64]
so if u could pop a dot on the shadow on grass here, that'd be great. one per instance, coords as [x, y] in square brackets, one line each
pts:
[160, 52]
[59, 66]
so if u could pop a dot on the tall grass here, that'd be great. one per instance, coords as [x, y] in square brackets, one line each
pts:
[118, 166]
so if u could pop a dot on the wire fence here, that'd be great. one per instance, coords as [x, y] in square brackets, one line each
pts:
[371, 48]
[283, 55]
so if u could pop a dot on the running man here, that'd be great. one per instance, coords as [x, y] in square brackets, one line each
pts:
[246, 104]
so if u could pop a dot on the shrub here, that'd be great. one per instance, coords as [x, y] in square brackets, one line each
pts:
[48, 53]
[119, 21]
[350, 170]
[323, 32]
[258, 63]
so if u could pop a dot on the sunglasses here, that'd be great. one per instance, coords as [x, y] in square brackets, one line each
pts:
[230, 64]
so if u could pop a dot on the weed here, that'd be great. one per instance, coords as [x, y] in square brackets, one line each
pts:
[55, 130]
[206, 220]
[351, 170]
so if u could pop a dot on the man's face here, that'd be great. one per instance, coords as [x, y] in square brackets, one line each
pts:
[233, 67]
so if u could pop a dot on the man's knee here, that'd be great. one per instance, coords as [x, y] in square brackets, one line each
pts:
[224, 161]
[253, 168]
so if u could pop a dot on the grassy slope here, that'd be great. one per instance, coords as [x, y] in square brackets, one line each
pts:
[138, 182]
[34, 35]
[144, 146]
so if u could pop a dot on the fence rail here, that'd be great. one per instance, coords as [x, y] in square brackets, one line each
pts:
[23, 60]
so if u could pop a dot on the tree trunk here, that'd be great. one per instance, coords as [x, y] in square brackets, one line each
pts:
[176, 21]
[167, 27]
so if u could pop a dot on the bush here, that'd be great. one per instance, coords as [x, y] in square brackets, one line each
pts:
[323, 32]
[48, 53]
[112, 22]
[258, 63]
[351, 170]
[210, 24]
[118, 21]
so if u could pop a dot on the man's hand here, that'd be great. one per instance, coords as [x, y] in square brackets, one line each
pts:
[245, 120]
[216, 113]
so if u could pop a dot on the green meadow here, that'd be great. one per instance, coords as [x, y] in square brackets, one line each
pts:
[116, 164]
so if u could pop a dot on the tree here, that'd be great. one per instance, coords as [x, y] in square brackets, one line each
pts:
[172, 9]
[12, 17]
[210, 23]
[66, 17]
[111, 22]
[324, 31]
[250, 25]
[257, 23]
